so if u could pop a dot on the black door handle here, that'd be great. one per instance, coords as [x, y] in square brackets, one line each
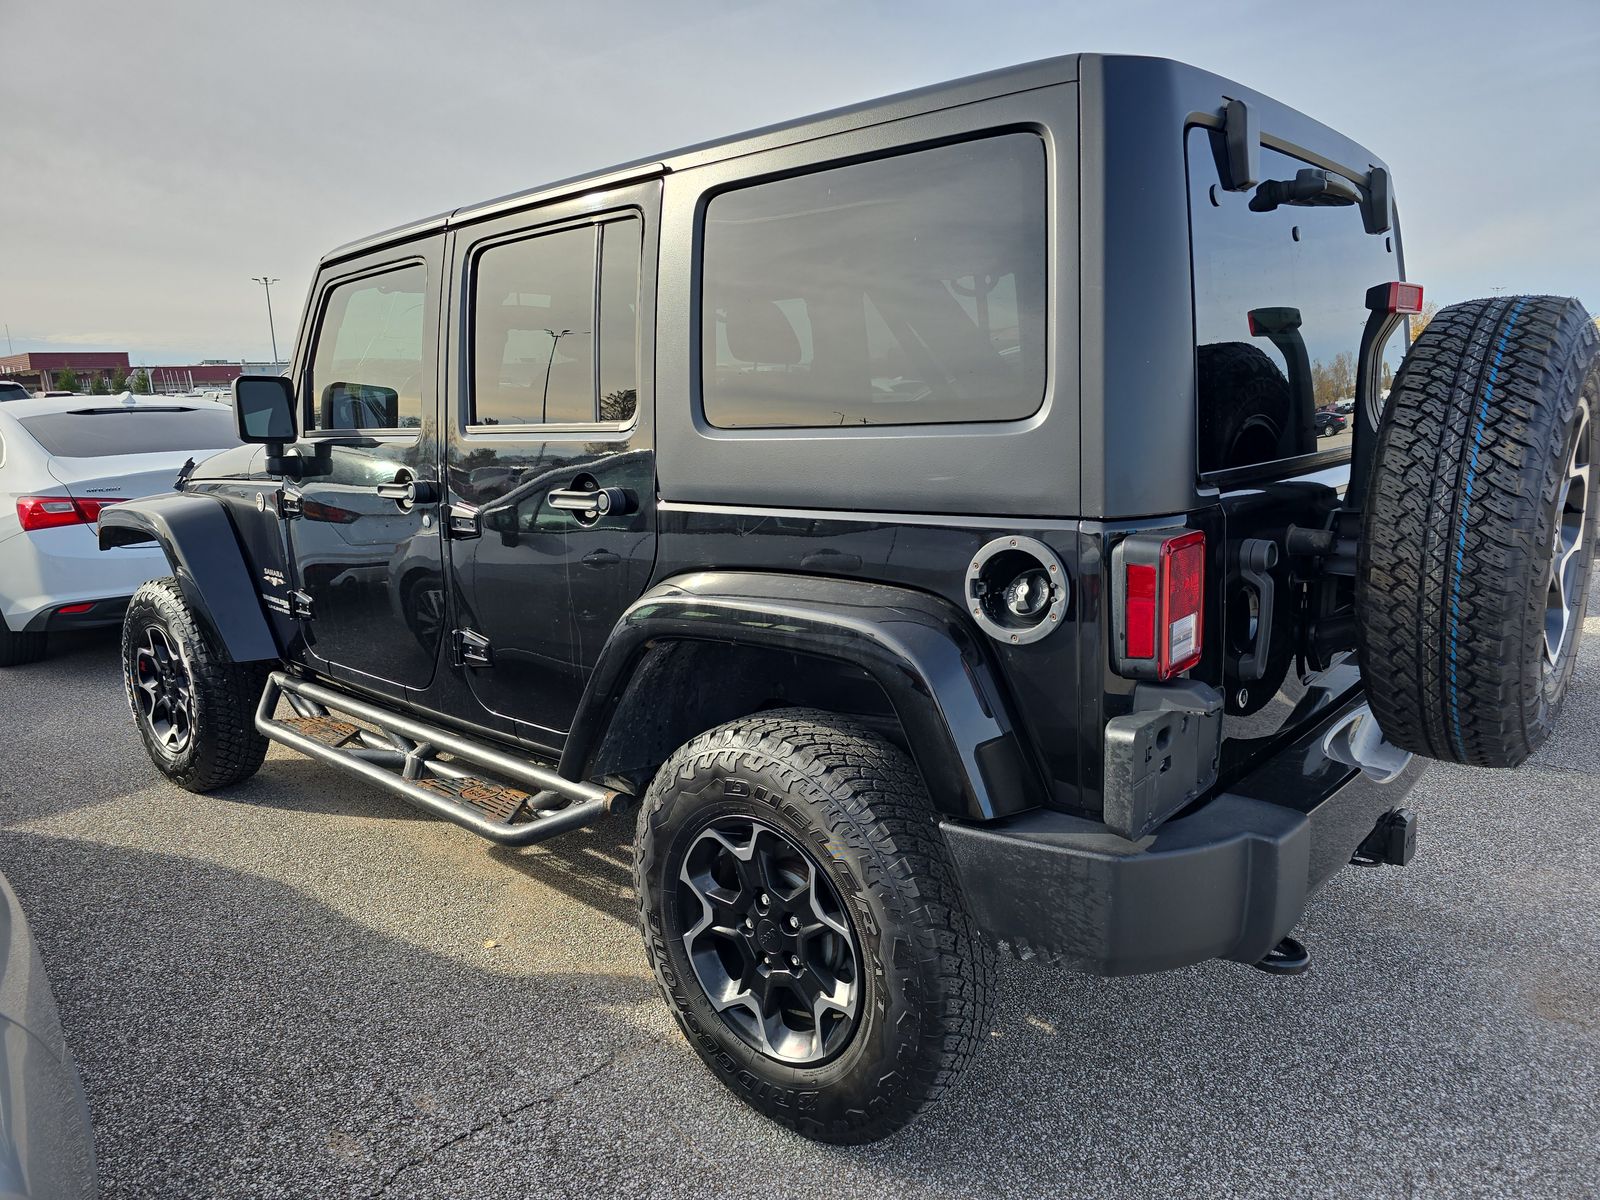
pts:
[601, 558]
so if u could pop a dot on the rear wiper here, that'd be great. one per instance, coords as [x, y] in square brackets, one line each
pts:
[1310, 188]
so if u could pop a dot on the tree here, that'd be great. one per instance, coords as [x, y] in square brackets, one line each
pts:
[141, 382]
[1331, 382]
[99, 385]
[119, 380]
[1419, 321]
[65, 380]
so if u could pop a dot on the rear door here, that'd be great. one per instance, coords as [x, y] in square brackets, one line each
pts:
[368, 563]
[550, 401]
[1279, 301]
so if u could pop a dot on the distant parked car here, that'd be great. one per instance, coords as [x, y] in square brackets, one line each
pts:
[46, 1141]
[61, 462]
[1329, 423]
[1347, 405]
[10, 389]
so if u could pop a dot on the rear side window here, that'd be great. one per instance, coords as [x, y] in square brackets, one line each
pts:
[1279, 306]
[900, 291]
[107, 432]
[367, 372]
[555, 339]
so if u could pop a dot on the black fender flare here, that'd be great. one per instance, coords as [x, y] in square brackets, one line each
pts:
[932, 668]
[203, 550]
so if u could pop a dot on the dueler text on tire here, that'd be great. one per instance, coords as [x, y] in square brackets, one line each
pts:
[802, 916]
[1479, 529]
[195, 707]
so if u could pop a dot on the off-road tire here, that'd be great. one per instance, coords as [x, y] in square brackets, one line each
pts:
[223, 747]
[1458, 533]
[18, 649]
[859, 807]
[1245, 402]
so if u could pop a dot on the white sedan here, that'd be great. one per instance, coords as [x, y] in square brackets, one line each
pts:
[62, 461]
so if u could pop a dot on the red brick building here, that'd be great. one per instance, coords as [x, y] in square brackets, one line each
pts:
[42, 372]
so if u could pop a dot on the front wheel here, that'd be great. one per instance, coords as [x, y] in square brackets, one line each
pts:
[194, 706]
[802, 916]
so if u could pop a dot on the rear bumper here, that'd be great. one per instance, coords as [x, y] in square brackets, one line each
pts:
[1226, 881]
[43, 571]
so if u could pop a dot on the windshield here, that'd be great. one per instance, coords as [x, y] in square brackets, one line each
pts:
[1279, 308]
[13, 391]
[107, 432]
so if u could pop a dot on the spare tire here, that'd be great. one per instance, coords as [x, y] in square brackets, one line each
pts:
[1478, 531]
[1244, 405]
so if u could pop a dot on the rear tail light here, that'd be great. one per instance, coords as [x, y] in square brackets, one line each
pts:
[1158, 590]
[52, 512]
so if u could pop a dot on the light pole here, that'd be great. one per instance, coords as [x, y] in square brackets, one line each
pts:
[555, 339]
[267, 283]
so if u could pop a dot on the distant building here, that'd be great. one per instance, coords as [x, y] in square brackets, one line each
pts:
[40, 371]
[43, 371]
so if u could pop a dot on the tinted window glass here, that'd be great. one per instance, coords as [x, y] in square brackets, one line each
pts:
[14, 391]
[619, 320]
[103, 433]
[906, 290]
[367, 372]
[533, 337]
[1300, 275]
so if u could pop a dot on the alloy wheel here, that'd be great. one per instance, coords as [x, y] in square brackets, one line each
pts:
[770, 941]
[163, 691]
[1563, 610]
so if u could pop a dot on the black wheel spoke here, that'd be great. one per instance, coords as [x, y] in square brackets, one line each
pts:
[768, 940]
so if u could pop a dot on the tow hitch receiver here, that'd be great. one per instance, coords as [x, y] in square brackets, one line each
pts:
[1393, 840]
[1288, 957]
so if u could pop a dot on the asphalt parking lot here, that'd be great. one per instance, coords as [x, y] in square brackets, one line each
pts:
[303, 988]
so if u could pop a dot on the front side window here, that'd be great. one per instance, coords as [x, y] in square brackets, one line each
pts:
[536, 355]
[900, 291]
[367, 371]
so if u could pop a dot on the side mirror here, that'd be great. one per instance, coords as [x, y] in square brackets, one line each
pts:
[263, 408]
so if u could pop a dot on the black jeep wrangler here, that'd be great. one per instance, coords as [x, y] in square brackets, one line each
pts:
[917, 511]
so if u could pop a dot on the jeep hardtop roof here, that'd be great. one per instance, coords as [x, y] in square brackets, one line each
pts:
[1046, 72]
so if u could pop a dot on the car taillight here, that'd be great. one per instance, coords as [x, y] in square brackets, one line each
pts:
[52, 512]
[1159, 586]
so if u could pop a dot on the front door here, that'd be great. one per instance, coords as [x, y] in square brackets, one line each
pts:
[363, 516]
[550, 403]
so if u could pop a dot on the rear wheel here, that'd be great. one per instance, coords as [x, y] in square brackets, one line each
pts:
[16, 649]
[1479, 530]
[801, 913]
[194, 707]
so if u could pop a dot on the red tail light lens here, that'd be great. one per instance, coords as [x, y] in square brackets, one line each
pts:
[1161, 583]
[52, 512]
[1183, 593]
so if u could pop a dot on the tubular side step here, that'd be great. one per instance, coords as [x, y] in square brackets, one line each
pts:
[401, 755]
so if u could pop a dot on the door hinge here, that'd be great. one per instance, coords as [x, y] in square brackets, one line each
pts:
[472, 649]
[289, 504]
[462, 523]
[300, 606]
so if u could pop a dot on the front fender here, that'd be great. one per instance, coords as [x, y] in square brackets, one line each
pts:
[931, 668]
[203, 550]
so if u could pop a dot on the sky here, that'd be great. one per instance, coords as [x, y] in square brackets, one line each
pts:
[154, 156]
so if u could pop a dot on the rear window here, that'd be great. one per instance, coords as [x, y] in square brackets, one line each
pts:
[900, 291]
[14, 391]
[106, 432]
[1300, 277]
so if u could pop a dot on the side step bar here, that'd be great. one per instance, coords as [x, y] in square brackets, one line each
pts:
[403, 759]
